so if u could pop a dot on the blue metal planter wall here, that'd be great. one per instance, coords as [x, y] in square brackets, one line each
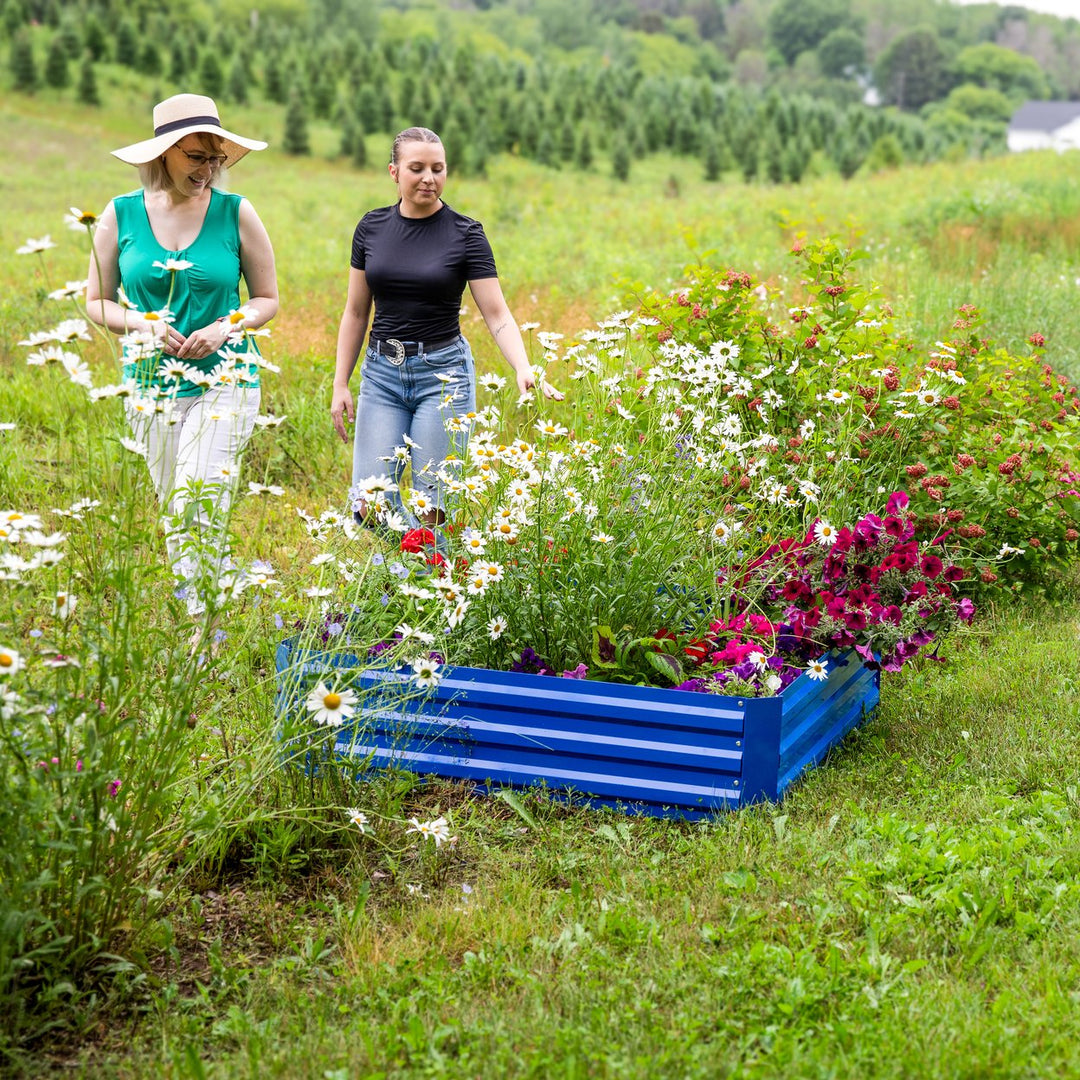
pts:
[640, 748]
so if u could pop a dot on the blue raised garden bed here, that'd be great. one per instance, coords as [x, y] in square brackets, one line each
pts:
[640, 748]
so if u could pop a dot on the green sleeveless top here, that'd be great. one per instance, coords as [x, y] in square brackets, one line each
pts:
[196, 296]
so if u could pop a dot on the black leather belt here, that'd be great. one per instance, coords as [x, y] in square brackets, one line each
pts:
[395, 351]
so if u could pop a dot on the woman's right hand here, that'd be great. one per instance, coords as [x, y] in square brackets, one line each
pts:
[341, 411]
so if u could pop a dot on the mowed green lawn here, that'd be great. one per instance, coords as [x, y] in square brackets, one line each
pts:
[912, 909]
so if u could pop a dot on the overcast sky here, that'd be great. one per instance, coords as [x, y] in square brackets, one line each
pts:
[1063, 8]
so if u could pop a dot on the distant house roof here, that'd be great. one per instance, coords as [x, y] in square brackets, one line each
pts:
[1044, 115]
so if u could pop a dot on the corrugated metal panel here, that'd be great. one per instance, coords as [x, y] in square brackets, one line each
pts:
[817, 715]
[647, 749]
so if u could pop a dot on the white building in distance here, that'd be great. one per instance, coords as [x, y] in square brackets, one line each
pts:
[1045, 125]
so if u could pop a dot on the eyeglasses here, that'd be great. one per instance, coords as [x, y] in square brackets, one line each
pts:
[215, 161]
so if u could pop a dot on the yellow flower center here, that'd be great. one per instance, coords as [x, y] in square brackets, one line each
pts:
[332, 701]
[6, 660]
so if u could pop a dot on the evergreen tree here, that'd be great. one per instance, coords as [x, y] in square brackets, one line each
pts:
[94, 39]
[24, 72]
[56, 64]
[407, 96]
[716, 158]
[685, 133]
[14, 16]
[477, 154]
[87, 89]
[126, 44]
[359, 146]
[237, 86]
[771, 166]
[455, 148]
[211, 77]
[584, 157]
[224, 43]
[546, 152]
[620, 159]
[847, 155]
[296, 126]
[567, 143]
[71, 36]
[177, 62]
[795, 157]
[149, 58]
[368, 110]
[322, 92]
[347, 127]
[275, 84]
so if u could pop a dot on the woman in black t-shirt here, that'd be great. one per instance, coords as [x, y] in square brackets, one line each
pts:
[413, 260]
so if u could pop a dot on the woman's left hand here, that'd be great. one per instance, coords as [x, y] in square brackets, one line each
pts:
[201, 343]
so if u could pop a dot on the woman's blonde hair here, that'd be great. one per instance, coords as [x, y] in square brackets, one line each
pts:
[413, 134]
[155, 177]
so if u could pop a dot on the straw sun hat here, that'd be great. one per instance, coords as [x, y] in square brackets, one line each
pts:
[182, 115]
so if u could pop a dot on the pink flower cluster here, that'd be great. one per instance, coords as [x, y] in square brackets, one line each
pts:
[874, 588]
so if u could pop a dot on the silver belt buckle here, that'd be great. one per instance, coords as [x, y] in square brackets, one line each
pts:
[399, 352]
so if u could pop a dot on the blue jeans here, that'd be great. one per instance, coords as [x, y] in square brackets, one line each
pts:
[411, 399]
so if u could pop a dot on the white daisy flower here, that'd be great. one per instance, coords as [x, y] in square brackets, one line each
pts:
[331, 707]
[426, 673]
[34, 247]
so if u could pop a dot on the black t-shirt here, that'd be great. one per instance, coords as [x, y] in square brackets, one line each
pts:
[417, 270]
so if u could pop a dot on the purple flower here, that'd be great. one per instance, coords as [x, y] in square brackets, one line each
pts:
[695, 686]
[579, 672]
[898, 501]
[114, 787]
[965, 610]
[529, 662]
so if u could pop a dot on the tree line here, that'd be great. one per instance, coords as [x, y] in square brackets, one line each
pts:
[367, 67]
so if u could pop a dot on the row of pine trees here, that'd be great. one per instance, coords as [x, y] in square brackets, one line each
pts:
[559, 114]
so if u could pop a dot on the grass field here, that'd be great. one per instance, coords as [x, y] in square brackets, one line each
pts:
[912, 909]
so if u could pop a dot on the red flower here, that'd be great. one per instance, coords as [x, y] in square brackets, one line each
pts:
[415, 540]
[931, 566]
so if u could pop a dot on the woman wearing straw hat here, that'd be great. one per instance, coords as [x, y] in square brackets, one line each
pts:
[165, 274]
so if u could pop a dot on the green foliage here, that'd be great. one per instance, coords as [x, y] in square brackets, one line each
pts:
[87, 89]
[979, 103]
[57, 74]
[239, 81]
[14, 16]
[912, 69]
[94, 38]
[295, 139]
[149, 62]
[126, 44]
[886, 153]
[841, 53]
[583, 159]
[211, 79]
[796, 26]
[993, 67]
[620, 160]
[21, 63]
